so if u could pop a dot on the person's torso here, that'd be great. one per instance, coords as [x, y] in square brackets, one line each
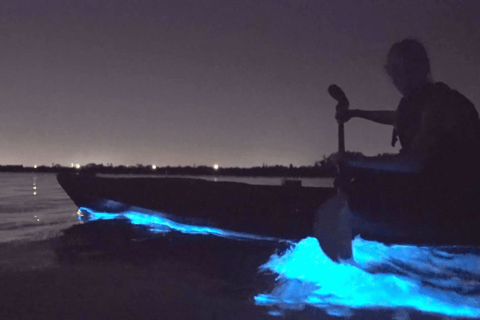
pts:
[458, 134]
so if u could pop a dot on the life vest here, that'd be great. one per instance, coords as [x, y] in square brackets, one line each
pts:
[459, 136]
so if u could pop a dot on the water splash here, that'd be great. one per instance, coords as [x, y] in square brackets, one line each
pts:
[159, 223]
[434, 280]
[442, 281]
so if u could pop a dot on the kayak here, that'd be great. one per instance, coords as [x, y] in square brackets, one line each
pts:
[284, 211]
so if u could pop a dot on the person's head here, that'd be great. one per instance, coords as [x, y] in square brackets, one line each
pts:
[408, 65]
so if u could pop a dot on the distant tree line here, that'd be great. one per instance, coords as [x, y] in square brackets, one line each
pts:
[321, 168]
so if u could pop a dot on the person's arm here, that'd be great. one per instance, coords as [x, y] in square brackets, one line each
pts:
[382, 117]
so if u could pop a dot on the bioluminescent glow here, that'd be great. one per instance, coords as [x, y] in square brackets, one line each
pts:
[433, 280]
[160, 224]
[428, 279]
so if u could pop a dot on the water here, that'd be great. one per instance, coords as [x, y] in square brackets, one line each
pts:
[435, 282]
[33, 207]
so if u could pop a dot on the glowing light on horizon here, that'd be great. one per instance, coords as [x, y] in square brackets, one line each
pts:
[154, 167]
[35, 167]
[77, 166]
[382, 277]
[215, 166]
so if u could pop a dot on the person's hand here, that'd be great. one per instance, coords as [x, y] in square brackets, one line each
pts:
[344, 175]
[340, 160]
[343, 115]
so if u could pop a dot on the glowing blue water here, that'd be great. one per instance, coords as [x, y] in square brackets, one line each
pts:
[158, 223]
[432, 280]
[422, 278]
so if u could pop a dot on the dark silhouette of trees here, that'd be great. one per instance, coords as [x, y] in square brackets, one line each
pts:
[321, 168]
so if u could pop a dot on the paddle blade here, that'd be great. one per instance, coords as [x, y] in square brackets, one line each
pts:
[332, 228]
[337, 93]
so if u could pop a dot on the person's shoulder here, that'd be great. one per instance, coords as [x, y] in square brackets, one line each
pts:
[442, 97]
[441, 86]
[438, 91]
[448, 108]
[450, 95]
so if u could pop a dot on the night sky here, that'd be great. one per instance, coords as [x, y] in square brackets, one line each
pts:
[238, 83]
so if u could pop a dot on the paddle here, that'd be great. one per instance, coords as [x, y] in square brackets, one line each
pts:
[332, 225]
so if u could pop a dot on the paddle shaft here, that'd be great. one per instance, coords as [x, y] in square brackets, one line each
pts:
[331, 226]
[341, 138]
[343, 235]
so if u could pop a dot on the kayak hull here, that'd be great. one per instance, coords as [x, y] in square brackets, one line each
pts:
[285, 212]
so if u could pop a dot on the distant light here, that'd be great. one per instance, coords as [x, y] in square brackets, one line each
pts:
[215, 166]
[34, 193]
[72, 165]
[34, 188]
[154, 167]
[38, 219]
[35, 167]
[77, 166]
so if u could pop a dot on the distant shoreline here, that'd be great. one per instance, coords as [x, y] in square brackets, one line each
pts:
[324, 168]
[264, 171]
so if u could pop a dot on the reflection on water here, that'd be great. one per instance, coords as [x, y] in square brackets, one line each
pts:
[433, 280]
[33, 206]
[158, 223]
